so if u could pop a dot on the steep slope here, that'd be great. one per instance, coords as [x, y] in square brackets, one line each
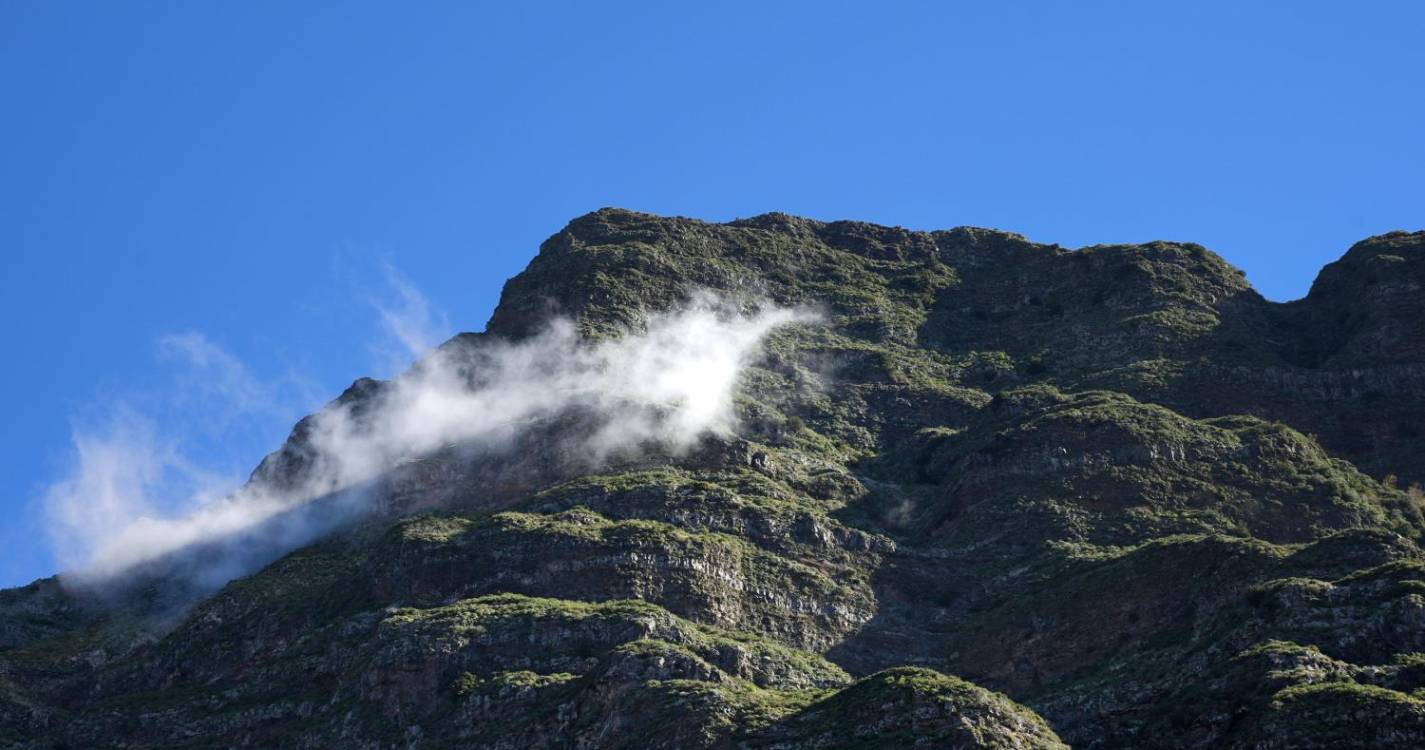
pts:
[1113, 484]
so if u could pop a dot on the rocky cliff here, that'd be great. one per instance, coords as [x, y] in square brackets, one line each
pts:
[1004, 494]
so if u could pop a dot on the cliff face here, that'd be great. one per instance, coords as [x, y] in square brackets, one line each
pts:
[1006, 495]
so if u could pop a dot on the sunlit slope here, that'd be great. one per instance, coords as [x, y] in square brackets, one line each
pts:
[995, 494]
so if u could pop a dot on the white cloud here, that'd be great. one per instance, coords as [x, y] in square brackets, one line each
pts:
[668, 384]
[122, 475]
[214, 373]
[409, 318]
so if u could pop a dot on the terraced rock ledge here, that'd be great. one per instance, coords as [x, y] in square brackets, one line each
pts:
[1002, 495]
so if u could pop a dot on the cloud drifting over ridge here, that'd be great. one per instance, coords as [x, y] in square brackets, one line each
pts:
[668, 384]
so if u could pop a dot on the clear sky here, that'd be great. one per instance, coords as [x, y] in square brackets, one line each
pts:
[205, 206]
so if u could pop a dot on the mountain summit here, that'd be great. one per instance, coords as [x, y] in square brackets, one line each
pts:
[960, 490]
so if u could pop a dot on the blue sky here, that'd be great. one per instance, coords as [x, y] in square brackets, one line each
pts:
[205, 207]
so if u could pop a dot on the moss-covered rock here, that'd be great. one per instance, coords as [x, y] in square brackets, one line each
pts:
[1113, 483]
[910, 708]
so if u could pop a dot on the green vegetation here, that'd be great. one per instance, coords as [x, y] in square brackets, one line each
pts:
[1124, 500]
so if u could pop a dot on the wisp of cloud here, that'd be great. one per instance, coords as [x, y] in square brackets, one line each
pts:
[666, 385]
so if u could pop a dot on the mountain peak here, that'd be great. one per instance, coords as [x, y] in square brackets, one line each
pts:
[994, 493]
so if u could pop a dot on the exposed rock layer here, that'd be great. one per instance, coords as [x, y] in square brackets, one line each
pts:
[1114, 484]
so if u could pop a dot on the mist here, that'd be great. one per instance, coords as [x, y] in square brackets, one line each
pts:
[665, 385]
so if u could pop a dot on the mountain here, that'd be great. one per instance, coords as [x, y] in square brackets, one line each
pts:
[1000, 494]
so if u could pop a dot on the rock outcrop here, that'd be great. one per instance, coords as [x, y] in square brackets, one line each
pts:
[1004, 495]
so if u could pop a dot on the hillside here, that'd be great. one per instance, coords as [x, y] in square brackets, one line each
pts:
[995, 494]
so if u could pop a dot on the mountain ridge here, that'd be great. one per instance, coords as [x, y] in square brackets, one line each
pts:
[1114, 484]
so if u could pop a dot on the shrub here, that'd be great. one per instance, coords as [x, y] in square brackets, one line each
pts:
[1415, 497]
